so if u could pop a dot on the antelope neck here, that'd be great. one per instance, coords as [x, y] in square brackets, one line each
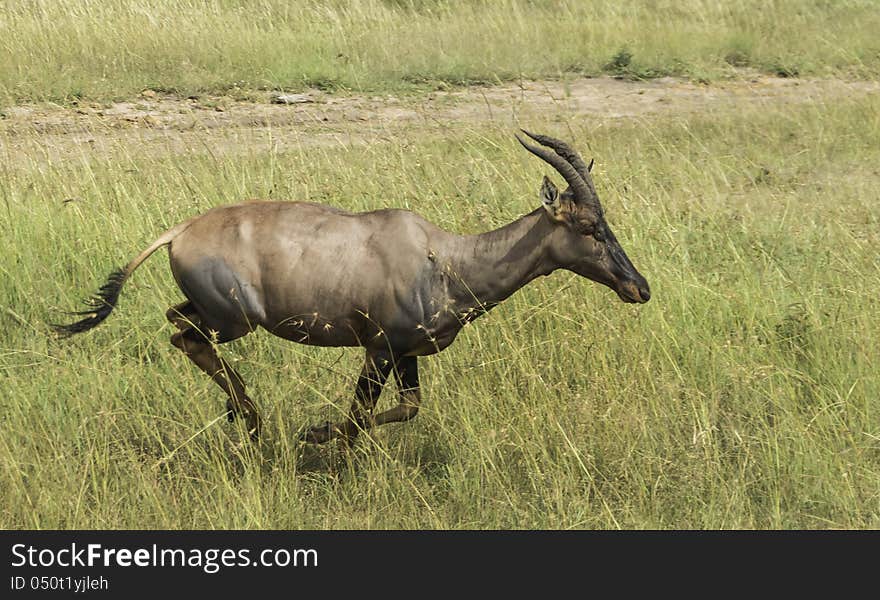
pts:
[489, 267]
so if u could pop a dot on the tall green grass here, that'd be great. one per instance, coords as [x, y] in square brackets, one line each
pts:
[745, 394]
[62, 50]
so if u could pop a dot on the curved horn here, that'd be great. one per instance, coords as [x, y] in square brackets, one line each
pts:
[568, 172]
[565, 151]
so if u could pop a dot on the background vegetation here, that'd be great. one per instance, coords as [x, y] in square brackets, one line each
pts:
[745, 394]
[62, 50]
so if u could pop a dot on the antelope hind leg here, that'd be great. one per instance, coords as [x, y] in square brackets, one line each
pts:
[199, 350]
[183, 316]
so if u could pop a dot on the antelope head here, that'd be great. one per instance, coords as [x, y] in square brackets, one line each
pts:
[581, 240]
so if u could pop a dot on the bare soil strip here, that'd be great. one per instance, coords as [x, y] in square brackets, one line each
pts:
[157, 125]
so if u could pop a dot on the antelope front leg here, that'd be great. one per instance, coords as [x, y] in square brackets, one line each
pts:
[406, 374]
[369, 386]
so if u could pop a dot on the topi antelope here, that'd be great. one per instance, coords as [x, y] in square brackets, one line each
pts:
[386, 280]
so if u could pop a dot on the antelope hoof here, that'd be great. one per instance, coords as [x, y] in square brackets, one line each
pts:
[320, 434]
[254, 424]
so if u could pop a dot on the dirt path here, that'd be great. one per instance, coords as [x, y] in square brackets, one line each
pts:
[154, 124]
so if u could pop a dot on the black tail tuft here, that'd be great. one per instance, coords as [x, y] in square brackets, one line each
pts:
[99, 305]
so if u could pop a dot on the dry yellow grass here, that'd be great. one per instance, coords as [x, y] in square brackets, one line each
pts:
[62, 50]
[744, 394]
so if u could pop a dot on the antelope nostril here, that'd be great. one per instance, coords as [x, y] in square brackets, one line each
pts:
[645, 293]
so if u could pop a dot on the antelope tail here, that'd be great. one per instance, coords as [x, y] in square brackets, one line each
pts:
[102, 303]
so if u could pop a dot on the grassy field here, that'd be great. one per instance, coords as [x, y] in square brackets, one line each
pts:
[745, 394]
[63, 50]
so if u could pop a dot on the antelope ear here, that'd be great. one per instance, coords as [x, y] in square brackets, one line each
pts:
[550, 197]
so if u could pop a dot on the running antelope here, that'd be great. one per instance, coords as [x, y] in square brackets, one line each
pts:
[388, 281]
